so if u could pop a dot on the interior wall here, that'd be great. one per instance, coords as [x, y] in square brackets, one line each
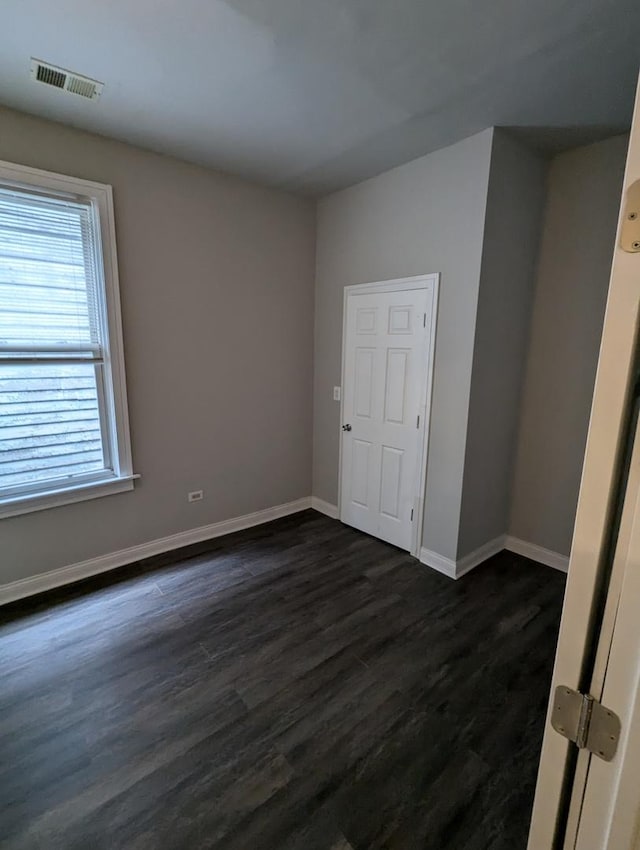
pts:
[584, 188]
[216, 279]
[513, 222]
[425, 216]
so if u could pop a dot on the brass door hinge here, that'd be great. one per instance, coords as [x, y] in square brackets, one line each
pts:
[630, 231]
[583, 720]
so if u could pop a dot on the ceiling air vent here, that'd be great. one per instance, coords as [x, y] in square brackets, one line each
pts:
[60, 78]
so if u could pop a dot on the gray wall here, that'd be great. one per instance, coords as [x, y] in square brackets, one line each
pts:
[426, 216]
[573, 275]
[217, 291]
[511, 238]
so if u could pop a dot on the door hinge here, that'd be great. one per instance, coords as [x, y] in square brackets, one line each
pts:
[411, 514]
[630, 229]
[418, 422]
[586, 722]
[424, 321]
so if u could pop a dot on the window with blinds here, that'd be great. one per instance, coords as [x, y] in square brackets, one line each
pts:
[57, 403]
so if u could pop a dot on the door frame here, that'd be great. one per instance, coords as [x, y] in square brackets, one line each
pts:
[401, 284]
[590, 579]
[604, 810]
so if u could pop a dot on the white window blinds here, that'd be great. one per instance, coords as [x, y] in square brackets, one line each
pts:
[53, 422]
[48, 275]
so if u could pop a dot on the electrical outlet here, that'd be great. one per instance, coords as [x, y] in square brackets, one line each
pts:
[336, 393]
[195, 496]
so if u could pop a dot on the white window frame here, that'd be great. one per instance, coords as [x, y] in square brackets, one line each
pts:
[117, 441]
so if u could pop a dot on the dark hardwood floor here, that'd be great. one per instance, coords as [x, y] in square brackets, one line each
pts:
[300, 685]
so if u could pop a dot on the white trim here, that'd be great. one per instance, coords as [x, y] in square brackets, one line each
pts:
[398, 284]
[24, 174]
[479, 555]
[26, 504]
[456, 569]
[120, 412]
[103, 563]
[425, 427]
[429, 282]
[537, 553]
[325, 508]
[438, 562]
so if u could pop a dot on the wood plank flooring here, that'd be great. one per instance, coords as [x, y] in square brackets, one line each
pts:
[297, 686]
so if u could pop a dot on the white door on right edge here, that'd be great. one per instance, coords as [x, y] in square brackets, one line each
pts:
[386, 349]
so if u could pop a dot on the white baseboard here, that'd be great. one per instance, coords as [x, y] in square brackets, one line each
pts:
[456, 569]
[537, 553]
[324, 507]
[479, 555]
[103, 563]
[438, 562]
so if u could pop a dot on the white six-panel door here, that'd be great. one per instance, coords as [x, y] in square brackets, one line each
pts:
[385, 393]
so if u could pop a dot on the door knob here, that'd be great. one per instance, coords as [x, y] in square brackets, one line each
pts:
[346, 427]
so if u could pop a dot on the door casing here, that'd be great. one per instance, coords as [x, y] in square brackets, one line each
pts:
[430, 282]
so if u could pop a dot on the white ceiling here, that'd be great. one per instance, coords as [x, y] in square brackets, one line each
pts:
[315, 95]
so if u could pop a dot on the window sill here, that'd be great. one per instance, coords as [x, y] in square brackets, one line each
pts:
[26, 504]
